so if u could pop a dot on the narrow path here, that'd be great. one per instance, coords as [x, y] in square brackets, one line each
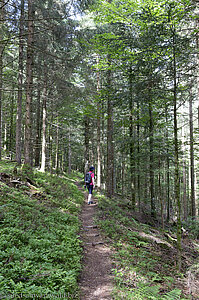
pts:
[95, 279]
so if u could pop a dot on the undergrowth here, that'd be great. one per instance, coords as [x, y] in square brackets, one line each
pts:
[40, 251]
[143, 269]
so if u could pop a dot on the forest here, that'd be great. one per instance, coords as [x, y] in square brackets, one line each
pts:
[112, 84]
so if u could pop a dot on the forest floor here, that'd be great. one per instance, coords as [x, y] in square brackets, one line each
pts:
[126, 255]
[96, 278]
[40, 249]
[120, 254]
[144, 255]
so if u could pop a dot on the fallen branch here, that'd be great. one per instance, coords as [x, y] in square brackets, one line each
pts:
[170, 237]
[155, 239]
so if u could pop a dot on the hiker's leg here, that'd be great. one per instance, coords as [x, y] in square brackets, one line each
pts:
[90, 190]
[89, 198]
[89, 195]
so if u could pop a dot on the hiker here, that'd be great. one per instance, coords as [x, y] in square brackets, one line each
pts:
[90, 184]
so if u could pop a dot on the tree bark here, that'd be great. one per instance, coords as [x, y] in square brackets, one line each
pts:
[44, 120]
[57, 147]
[29, 88]
[50, 145]
[103, 147]
[138, 155]
[132, 144]
[2, 46]
[86, 143]
[151, 165]
[197, 57]
[98, 147]
[98, 133]
[160, 192]
[61, 151]
[38, 129]
[20, 85]
[5, 138]
[167, 171]
[11, 124]
[110, 144]
[193, 204]
[185, 190]
[176, 158]
[123, 173]
[69, 151]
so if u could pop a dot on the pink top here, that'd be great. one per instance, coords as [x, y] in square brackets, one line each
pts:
[92, 176]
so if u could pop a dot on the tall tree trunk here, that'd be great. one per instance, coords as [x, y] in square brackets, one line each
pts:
[20, 85]
[193, 204]
[167, 170]
[5, 138]
[86, 143]
[184, 172]
[176, 158]
[98, 147]
[1, 87]
[92, 152]
[138, 155]
[11, 123]
[123, 173]
[29, 88]
[65, 158]
[98, 133]
[50, 143]
[185, 190]
[60, 165]
[132, 147]
[44, 120]
[38, 129]
[110, 145]
[103, 148]
[151, 165]
[2, 47]
[160, 191]
[57, 147]
[69, 151]
[197, 57]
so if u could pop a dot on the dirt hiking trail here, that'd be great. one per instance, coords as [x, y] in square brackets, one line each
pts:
[95, 279]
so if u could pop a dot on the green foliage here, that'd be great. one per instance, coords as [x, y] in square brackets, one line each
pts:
[40, 248]
[143, 291]
[6, 166]
[175, 294]
[192, 225]
[27, 170]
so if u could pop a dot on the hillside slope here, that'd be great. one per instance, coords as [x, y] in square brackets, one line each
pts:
[40, 250]
[145, 256]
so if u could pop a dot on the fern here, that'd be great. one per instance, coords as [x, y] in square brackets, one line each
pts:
[144, 291]
[172, 295]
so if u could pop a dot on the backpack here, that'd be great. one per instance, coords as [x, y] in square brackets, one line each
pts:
[88, 178]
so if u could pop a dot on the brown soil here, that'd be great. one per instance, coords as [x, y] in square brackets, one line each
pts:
[95, 279]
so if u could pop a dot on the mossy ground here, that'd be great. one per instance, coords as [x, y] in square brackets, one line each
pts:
[40, 250]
